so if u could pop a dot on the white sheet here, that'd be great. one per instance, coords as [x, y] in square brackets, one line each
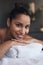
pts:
[27, 55]
[20, 61]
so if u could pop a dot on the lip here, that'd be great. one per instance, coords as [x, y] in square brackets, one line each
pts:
[20, 36]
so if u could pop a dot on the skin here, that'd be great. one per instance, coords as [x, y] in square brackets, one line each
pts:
[2, 32]
[19, 26]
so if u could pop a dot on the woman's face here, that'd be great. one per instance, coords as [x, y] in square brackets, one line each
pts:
[19, 26]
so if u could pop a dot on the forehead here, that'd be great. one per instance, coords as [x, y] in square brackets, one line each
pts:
[22, 18]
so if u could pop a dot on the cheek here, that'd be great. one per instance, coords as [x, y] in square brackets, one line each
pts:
[15, 28]
[27, 31]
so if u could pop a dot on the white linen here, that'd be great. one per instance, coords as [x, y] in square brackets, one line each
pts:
[29, 54]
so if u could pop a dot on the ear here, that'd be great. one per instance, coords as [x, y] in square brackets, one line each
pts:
[8, 22]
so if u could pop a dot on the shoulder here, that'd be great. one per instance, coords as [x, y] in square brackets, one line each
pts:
[4, 35]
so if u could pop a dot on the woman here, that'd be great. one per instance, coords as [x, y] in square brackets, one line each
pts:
[18, 24]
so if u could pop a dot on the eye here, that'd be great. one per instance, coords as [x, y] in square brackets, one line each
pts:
[19, 24]
[27, 26]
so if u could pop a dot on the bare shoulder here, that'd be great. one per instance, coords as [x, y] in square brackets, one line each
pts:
[27, 37]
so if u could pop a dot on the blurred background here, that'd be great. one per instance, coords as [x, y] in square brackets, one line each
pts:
[36, 11]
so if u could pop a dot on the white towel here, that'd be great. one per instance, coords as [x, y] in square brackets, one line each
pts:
[29, 54]
[28, 51]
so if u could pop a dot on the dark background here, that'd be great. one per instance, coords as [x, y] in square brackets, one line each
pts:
[7, 5]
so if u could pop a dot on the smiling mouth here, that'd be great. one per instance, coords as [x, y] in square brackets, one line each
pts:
[20, 36]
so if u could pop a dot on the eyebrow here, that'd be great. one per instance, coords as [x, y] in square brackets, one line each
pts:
[19, 23]
[22, 24]
[28, 25]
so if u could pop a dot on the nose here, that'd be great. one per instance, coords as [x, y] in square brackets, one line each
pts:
[23, 31]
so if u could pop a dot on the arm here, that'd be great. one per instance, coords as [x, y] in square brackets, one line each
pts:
[4, 47]
[27, 37]
[37, 41]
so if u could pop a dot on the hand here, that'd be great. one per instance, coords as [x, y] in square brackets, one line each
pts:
[20, 41]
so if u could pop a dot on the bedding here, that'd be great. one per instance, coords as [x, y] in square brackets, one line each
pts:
[30, 54]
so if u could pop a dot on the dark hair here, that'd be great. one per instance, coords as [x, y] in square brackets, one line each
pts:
[19, 9]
